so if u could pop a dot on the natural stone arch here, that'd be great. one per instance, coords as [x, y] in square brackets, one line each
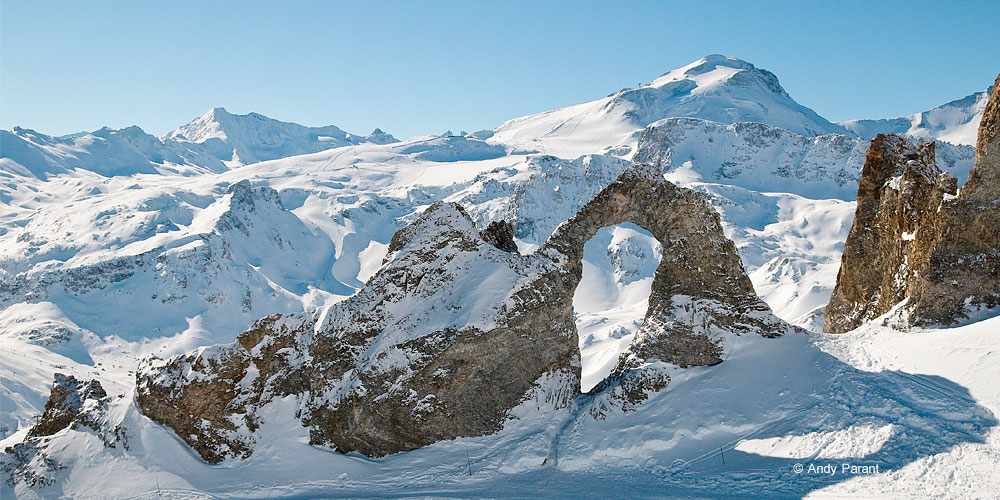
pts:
[699, 268]
[612, 298]
[431, 349]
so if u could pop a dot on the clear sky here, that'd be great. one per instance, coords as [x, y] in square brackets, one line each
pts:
[421, 67]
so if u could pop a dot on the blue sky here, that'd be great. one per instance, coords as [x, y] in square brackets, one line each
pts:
[416, 68]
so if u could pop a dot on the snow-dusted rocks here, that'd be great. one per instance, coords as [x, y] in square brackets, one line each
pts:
[68, 404]
[916, 246]
[72, 404]
[456, 330]
[447, 337]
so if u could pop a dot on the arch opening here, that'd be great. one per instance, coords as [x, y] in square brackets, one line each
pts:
[612, 297]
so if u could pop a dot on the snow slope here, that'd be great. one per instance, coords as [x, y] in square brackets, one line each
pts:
[737, 429]
[716, 87]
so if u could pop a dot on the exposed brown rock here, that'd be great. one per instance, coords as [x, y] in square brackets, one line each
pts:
[962, 272]
[913, 239]
[453, 332]
[67, 403]
[899, 193]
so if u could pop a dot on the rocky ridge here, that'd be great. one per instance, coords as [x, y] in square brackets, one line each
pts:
[456, 330]
[916, 246]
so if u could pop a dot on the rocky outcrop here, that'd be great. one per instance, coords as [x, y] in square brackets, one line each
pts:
[457, 329]
[73, 404]
[916, 247]
[962, 273]
[448, 336]
[899, 193]
[501, 235]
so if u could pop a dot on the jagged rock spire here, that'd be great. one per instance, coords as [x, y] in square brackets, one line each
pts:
[916, 247]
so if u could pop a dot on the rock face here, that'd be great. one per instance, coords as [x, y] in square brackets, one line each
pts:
[899, 194]
[457, 329]
[963, 270]
[914, 240]
[501, 235]
[71, 402]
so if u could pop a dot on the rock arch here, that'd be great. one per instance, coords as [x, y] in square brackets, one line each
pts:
[700, 294]
[456, 330]
[612, 298]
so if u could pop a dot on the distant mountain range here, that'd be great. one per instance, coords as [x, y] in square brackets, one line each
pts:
[213, 142]
[955, 122]
[715, 88]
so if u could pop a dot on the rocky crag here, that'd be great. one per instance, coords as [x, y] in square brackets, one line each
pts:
[73, 404]
[458, 328]
[917, 247]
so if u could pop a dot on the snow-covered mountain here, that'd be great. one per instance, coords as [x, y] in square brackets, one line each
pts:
[95, 227]
[253, 137]
[214, 142]
[716, 88]
[955, 122]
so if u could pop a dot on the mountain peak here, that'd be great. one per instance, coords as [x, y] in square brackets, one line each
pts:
[722, 70]
[253, 137]
[207, 126]
[719, 60]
